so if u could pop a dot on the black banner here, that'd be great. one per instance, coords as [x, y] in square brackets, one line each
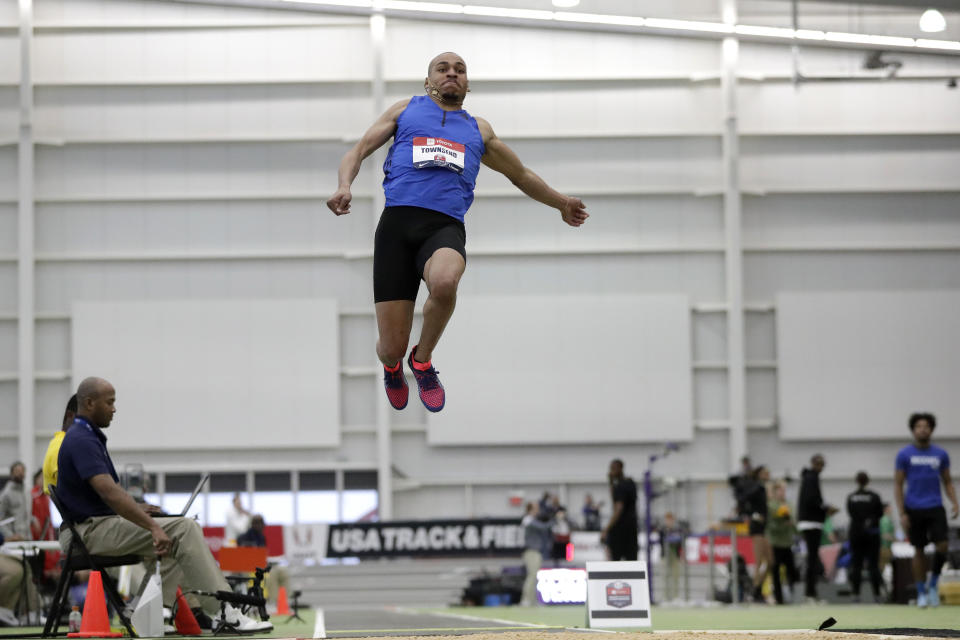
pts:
[501, 536]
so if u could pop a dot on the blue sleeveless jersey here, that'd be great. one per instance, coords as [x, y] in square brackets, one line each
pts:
[434, 160]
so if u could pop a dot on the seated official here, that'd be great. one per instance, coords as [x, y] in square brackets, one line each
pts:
[111, 523]
[277, 576]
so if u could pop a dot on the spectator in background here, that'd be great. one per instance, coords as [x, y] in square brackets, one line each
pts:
[620, 534]
[888, 533]
[780, 533]
[865, 509]
[13, 504]
[811, 513]
[256, 536]
[740, 483]
[923, 466]
[755, 501]
[238, 521]
[560, 529]
[41, 528]
[536, 545]
[53, 449]
[672, 535]
[591, 514]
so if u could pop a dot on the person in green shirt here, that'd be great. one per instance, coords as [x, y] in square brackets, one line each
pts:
[781, 530]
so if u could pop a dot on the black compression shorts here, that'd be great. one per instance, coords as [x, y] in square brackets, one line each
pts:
[406, 238]
[927, 525]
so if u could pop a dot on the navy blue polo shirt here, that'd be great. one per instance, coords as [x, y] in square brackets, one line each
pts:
[83, 455]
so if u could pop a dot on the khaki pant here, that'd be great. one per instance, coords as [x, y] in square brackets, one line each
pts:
[16, 580]
[532, 560]
[189, 565]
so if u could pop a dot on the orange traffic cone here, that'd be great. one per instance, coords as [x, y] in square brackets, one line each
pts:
[96, 623]
[185, 621]
[283, 608]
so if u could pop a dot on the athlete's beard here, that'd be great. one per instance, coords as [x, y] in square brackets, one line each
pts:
[449, 97]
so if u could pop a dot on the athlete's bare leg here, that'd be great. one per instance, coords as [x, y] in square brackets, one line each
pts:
[394, 322]
[442, 274]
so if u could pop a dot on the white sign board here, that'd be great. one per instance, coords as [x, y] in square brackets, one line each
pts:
[618, 595]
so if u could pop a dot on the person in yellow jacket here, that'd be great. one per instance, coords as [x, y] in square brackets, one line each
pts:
[53, 449]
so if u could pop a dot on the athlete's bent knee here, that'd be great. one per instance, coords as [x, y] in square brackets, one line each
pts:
[443, 288]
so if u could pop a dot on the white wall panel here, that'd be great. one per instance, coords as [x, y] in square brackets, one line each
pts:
[10, 54]
[918, 106]
[859, 363]
[164, 170]
[638, 221]
[8, 229]
[709, 337]
[8, 346]
[8, 284]
[608, 107]
[813, 61]
[183, 376]
[356, 345]
[761, 392]
[8, 12]
[679, 164]
[197, 227]
[854, 218]
[202, 55]
[760, 330]
[357, 409]
[510, 53]
[155, 12]
[698, 276]
[52, 345]
[8, 422]
[59, 284]
[9, 113]
[518, 392]
[8, 173]
[767, 274]
[711, 401]
[202, 111]
[858, 163]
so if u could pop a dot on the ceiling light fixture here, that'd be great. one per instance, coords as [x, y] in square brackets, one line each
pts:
[407, 5]
[565, 4]
[932, 21]
[598, 18]
[653, 24]
[504, 12]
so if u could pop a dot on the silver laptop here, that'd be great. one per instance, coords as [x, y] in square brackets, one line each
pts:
[193, 496]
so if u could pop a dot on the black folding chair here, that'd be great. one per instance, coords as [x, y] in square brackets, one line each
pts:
[79, 558]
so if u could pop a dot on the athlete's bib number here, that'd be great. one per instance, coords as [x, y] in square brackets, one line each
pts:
[437, 152]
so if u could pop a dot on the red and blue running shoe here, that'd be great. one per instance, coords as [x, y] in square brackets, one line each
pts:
[431, 391]
[396, 386]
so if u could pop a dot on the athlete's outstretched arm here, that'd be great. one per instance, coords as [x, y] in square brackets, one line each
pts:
[374, 138]
[948, 485]
[499, 157]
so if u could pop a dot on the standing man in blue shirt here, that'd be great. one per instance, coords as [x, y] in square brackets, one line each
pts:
[924, 466]
[428, 179]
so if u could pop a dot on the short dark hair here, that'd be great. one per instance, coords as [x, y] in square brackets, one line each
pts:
[71, 408]
[862, 478]
[757, 471]
[617, 461]
[917, 417]
[15, 465]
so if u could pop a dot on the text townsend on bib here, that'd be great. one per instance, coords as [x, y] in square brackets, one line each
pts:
[437, 152]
